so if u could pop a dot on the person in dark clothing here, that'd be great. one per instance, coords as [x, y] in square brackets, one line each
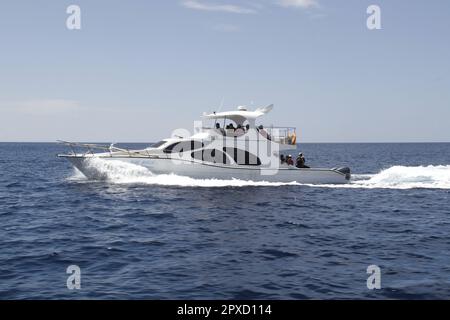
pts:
[300, 161]
[218, 128]
[282, 159]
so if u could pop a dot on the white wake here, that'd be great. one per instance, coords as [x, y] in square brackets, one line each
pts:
[401, 177]
[127, 173]
[396, 177]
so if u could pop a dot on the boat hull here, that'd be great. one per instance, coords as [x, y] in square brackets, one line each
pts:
[89, 167]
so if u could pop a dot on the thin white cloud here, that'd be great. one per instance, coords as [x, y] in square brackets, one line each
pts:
[230, 8]
[298, 3]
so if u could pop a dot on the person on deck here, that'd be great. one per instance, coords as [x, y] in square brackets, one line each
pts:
[239, 131]
[300, 161]
[289, 160]
[230, 130]
[218, 128]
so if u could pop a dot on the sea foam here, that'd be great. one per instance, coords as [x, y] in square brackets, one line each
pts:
[396, 177]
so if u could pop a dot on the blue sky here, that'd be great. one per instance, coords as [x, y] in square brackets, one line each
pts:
[138, 69]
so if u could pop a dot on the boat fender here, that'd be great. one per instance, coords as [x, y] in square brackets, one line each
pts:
[292, 138]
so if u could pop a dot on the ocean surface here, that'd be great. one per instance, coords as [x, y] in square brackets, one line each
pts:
[141, 236]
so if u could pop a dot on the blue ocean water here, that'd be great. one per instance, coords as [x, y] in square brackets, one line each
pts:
[163, 237]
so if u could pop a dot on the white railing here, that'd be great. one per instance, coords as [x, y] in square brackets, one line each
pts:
[89, 148]
[282, 135]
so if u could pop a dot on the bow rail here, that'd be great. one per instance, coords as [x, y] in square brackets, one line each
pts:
[111, 149]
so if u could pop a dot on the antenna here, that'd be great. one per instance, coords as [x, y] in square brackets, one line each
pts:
[220, 108]
[221, 104]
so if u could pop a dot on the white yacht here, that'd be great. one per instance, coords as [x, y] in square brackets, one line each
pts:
[233, 146]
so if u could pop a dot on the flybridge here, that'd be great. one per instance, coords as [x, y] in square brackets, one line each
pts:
[281, 135]
[240, 115]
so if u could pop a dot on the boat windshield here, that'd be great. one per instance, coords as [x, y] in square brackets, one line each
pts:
[158, 144]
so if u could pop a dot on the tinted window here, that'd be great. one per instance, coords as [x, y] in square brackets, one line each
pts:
[243, 157]
[183, 146]
[197, 155]
[158, 144]
[211, 155]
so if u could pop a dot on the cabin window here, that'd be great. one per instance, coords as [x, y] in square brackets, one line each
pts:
[183, 146]
[211, 155]
[158, 144]
[243, 157]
